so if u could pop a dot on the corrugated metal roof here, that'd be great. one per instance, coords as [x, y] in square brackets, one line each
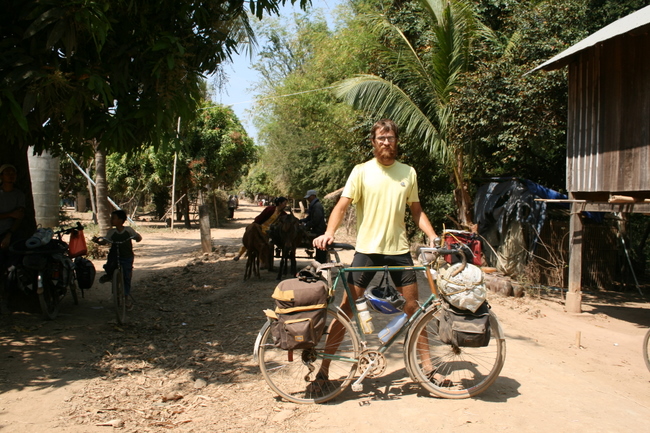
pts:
[624, 25]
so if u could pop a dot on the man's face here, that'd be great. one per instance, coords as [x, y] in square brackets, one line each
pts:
[9, 175]
[385, 144]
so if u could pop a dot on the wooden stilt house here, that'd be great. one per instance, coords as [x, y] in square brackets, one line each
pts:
[608, 137]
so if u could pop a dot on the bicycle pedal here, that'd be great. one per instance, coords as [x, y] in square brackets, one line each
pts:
[357, 387]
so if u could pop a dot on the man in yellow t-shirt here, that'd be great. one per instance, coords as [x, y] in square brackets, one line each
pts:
[381, 189]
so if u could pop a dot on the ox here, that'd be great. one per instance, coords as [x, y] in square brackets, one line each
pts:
[257, 249]
[287, 234]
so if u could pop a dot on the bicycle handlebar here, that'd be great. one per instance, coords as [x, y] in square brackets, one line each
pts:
[340, 246]
[425, 252]
[69, 229]
[110, 241]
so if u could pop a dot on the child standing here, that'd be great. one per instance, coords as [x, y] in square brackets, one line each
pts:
[121, 233]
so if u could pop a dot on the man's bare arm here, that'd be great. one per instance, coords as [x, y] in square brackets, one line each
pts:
[422, 221]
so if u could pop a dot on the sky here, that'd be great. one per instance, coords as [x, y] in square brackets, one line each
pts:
[242, 77]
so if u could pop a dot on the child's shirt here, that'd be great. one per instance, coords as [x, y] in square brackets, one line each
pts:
[126, 249]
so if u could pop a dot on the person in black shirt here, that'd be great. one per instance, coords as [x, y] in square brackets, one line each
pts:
[315, 221]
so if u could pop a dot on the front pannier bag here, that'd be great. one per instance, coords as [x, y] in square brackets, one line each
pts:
[463, 328]
[300, 313]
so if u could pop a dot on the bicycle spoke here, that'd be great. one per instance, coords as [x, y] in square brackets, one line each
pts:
[452, 372]
[297, 375]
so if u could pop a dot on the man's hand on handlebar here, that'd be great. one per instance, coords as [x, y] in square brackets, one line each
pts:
[322, 241]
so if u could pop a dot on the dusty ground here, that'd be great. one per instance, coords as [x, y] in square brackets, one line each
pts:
[183, 362]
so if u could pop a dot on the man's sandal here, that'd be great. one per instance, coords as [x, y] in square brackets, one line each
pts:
[438, 379]
[319, 384]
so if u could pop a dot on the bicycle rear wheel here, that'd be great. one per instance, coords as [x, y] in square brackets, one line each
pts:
[450, 372]
[48, 297]
[646, 349]
[293, 373]
[119, 300]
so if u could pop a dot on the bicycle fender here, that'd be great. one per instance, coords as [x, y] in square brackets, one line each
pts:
[258, 340]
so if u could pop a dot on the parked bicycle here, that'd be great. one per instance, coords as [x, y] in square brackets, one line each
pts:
[117, 278]
[43, 269]
[445, 370]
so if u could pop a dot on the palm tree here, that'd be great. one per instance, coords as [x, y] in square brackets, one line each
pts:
[418, 98]
[103, 208]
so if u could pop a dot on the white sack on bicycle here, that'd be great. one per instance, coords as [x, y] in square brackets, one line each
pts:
[465, 290]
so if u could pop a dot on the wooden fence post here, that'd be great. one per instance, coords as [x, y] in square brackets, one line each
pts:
[574, 296]
[204, 224]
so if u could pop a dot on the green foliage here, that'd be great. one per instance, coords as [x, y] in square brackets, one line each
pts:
[311, 140]
[217, 148]
[600, 13]
[514, 124]
[135, 178]
[118, 71]
[258, 181]
[214, 154]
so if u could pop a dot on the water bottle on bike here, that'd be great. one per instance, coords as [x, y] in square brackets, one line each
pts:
[384, 298]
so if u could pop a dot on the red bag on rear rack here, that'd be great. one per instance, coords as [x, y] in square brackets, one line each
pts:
[472, 249]
[77, 245]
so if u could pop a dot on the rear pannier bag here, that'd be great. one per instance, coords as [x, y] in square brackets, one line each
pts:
[85, 272]
[300, 313]
[462, 328]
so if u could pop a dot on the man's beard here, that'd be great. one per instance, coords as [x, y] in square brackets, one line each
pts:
[385, 152]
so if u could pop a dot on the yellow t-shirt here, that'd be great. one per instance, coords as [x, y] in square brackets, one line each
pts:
[381, 195]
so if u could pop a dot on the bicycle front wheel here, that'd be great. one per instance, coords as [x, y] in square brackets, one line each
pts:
[453, 372]
[48, 297]
[298, 375]
[73, 288]
[119, 300]
[646, 349]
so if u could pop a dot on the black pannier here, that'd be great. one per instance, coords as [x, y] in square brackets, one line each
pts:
[85, 272]
[462, 328]
[300, 313]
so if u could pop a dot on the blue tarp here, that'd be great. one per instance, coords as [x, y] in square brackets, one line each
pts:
[501, 201]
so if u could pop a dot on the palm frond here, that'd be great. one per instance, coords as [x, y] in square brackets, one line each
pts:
[378, 96]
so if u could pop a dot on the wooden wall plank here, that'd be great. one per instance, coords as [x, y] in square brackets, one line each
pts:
[608, 136]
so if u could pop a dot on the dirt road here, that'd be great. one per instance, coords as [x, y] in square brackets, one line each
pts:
[183, 362]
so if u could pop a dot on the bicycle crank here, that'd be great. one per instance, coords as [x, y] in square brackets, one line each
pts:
[371, 364]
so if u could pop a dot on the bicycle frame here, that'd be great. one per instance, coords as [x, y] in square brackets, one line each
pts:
[340, 278]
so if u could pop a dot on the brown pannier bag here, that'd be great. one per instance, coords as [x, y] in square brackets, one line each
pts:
[300, 313]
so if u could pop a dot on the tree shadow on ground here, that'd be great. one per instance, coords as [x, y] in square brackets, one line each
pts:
[200, 318]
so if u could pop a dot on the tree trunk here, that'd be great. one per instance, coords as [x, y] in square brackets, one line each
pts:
[461, 193]
[185, 208]
[91, 191]
[103, 208]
